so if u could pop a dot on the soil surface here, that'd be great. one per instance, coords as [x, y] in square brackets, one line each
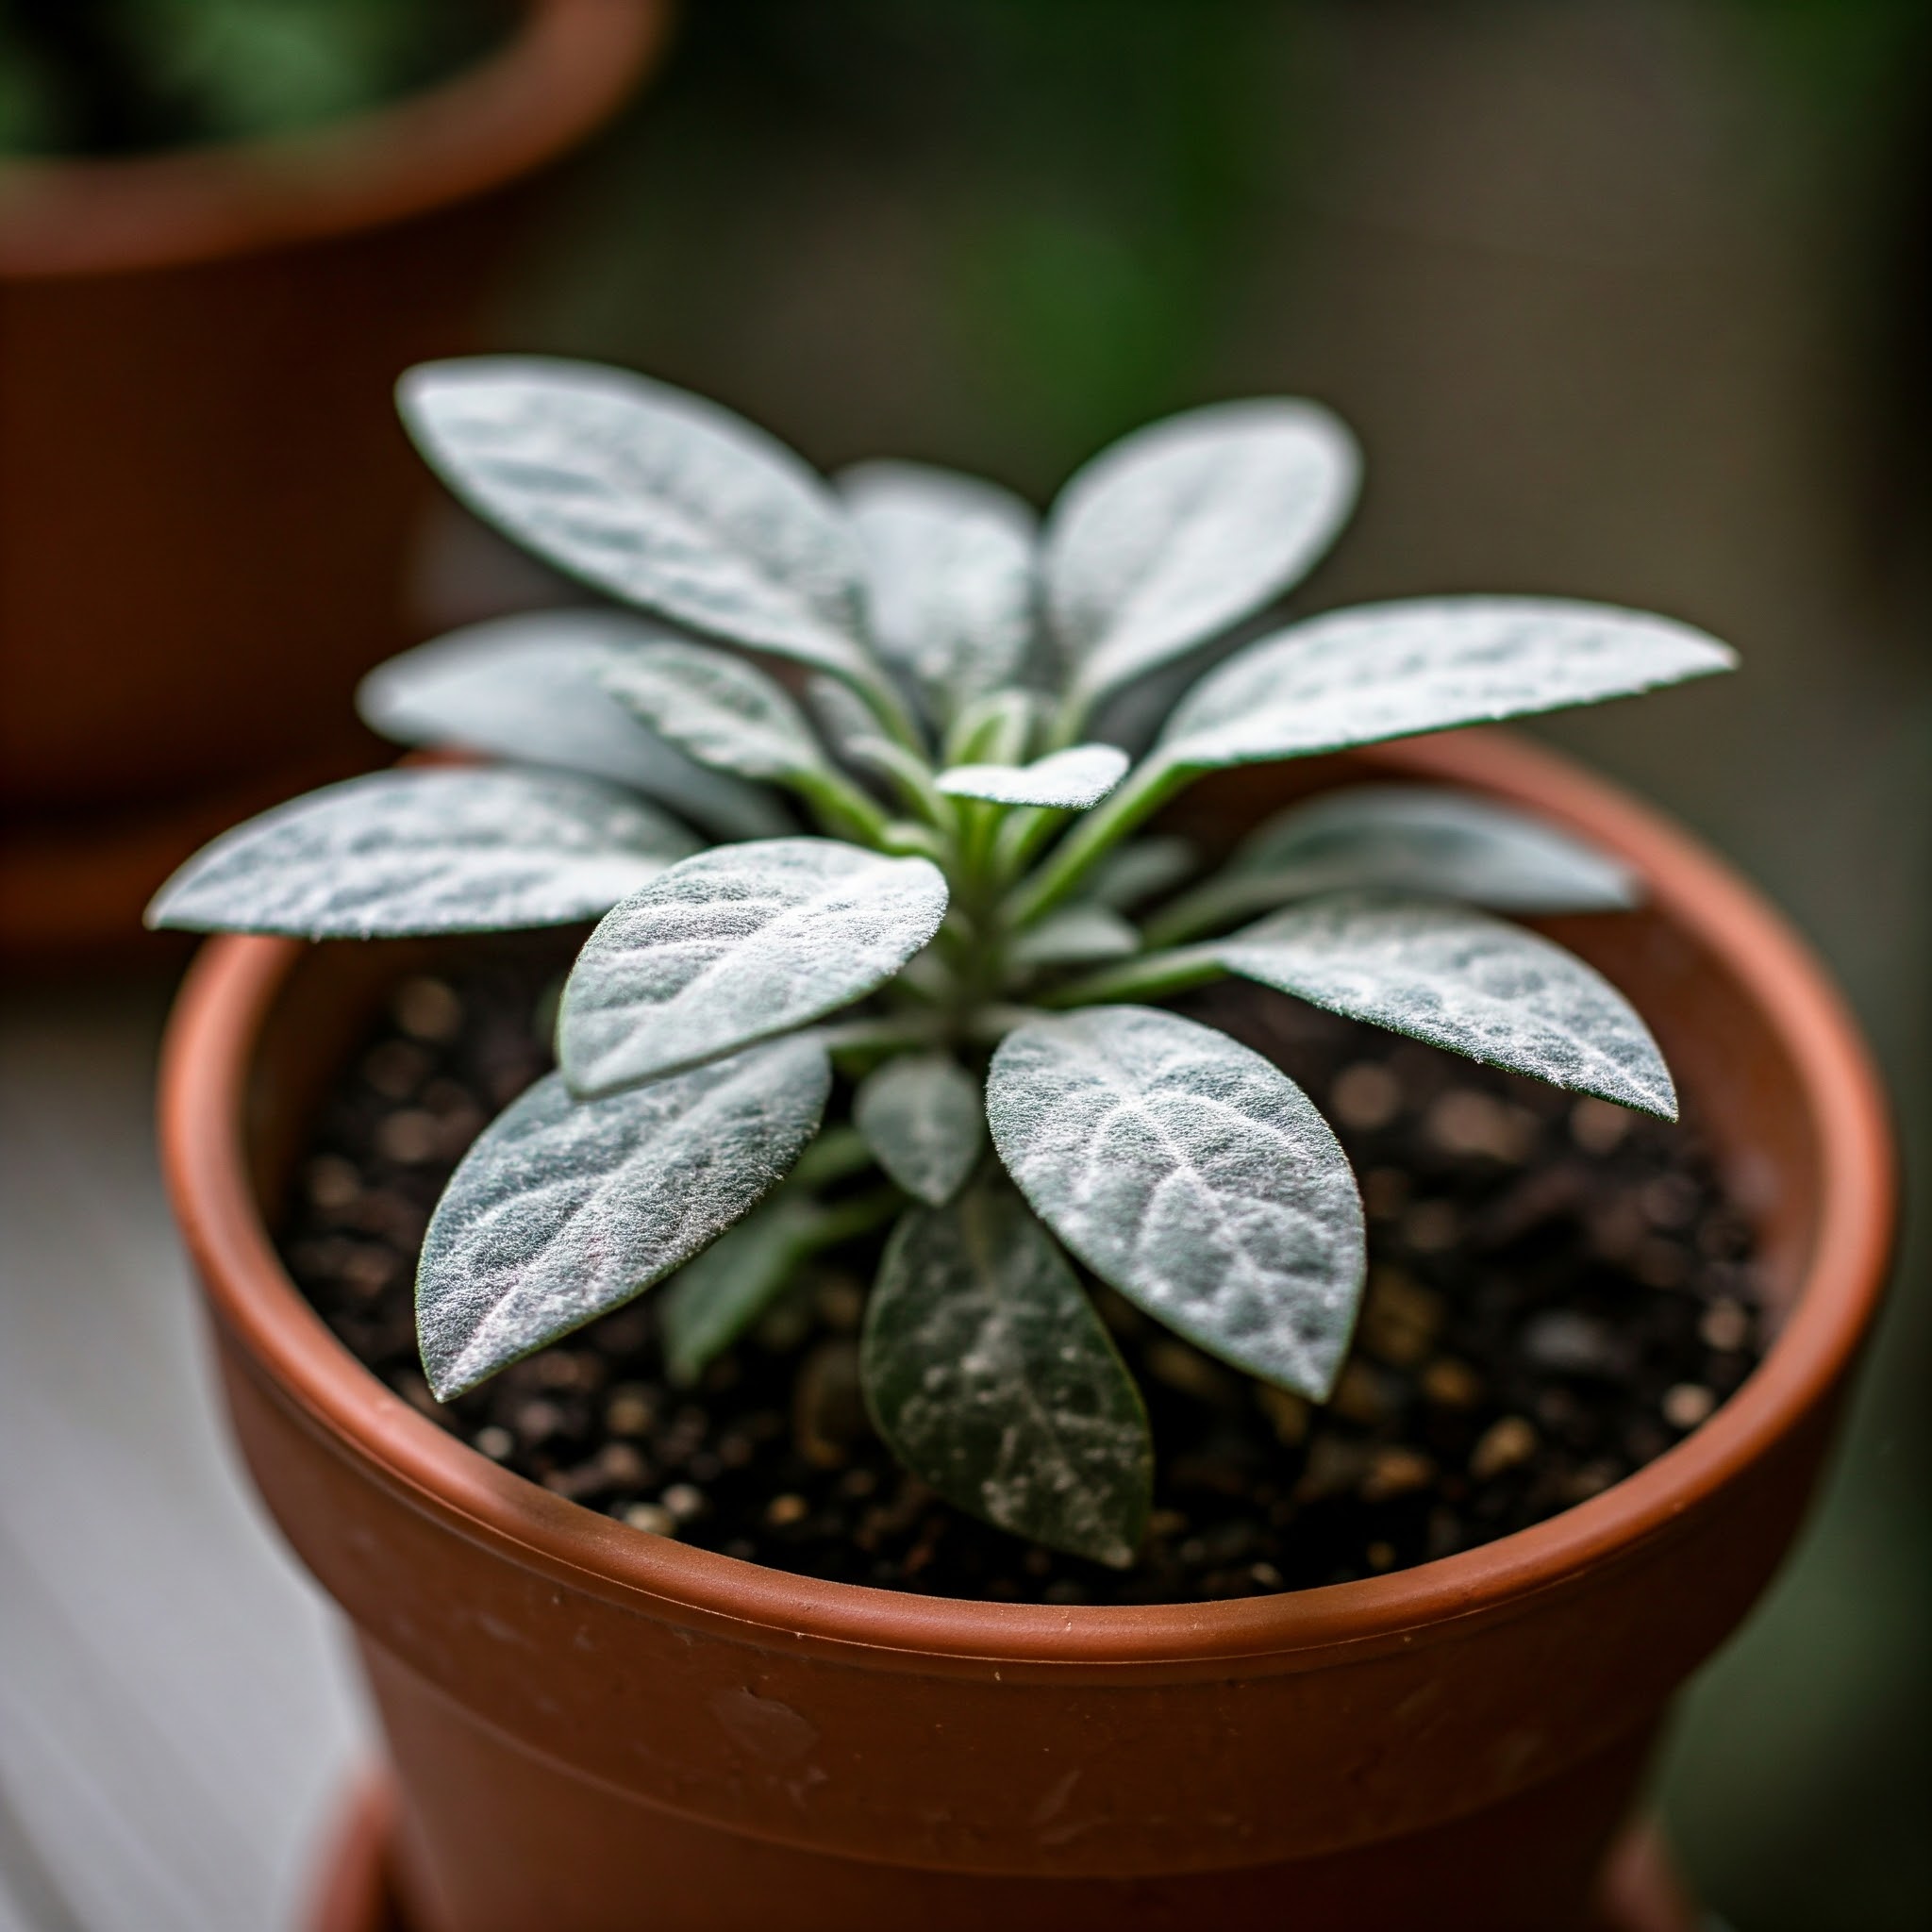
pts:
[1559, 1291]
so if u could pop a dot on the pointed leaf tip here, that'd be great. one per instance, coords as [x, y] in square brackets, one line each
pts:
[1461, 980]
[1384, 671]
[425, 851]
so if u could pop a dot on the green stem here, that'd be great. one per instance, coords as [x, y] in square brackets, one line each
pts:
[866, 1040]
[911, 775]
[844, 1219]
[842, 809]
[1148, 977]
[837, 1155]
[1146, 789]
[883, 701]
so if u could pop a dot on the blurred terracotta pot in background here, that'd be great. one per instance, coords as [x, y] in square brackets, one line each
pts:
[594, 1730]
[207, 507]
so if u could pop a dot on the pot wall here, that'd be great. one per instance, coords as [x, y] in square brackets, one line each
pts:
[595, 1728]
[209, 507]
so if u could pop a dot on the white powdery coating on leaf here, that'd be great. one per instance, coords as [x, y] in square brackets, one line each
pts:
[949, 576]
[653, 494]
[564, 1208]
[923, 1117]
[1428, 840]
[1464, 981]
[1385, 669]
[736, 944]
[726, 714]
[530, 689]
[991, 1374]
[1184, 527]
[1069, 781]
[1192, 1174]
[424, 852]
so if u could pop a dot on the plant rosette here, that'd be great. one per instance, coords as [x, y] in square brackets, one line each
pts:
[918, 940]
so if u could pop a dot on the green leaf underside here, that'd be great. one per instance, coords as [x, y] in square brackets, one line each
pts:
[655, 496]
[1462, 980]
[1076, 935]
[565, 1209]
[949, 575]
[425, 852]
[989, 1373]
[848, 724]
[1192, 1174]
[529, 688]
[716, 708]
[1435, 843]
[1140, 870]
[734, 945]
[1176, 532]
[1388, 669]
[1069, 781]
[713, 1300]
[923, 1117]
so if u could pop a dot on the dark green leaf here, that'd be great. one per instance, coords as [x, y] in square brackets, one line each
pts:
[990, 1376]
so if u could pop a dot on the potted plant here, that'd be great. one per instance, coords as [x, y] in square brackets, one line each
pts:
[973, 1034]
[181, 625]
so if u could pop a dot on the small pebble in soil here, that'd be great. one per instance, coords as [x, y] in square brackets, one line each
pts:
[1559, 1292]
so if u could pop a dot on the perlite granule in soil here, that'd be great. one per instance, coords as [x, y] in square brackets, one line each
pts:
[1558, 1290]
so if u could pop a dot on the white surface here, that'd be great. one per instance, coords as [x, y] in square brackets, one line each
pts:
[177, 1718]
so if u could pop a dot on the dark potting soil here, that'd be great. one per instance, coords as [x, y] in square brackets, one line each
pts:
[1557, 1292]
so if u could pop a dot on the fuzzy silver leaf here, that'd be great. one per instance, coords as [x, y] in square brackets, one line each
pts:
[656, 496]
[949, 572]
[923, 1117]
[716, 708]
[734, 945]
[1192, 1174]
[565, 1209]
[424, 852]
[1182, 528]
[1424, 664]
[988, 1372]
[1069, 781]
[1083, 933]
[529, 688]
[1435, 843]
[1462, 980]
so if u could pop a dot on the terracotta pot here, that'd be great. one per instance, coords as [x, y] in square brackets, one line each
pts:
[209, 505]
[1636, 1891]
[597, 1729]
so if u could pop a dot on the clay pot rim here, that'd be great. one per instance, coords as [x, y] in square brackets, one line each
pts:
[232, 987]
[564, 69]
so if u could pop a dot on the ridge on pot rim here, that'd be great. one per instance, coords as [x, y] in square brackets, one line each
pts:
[1844, 1249]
